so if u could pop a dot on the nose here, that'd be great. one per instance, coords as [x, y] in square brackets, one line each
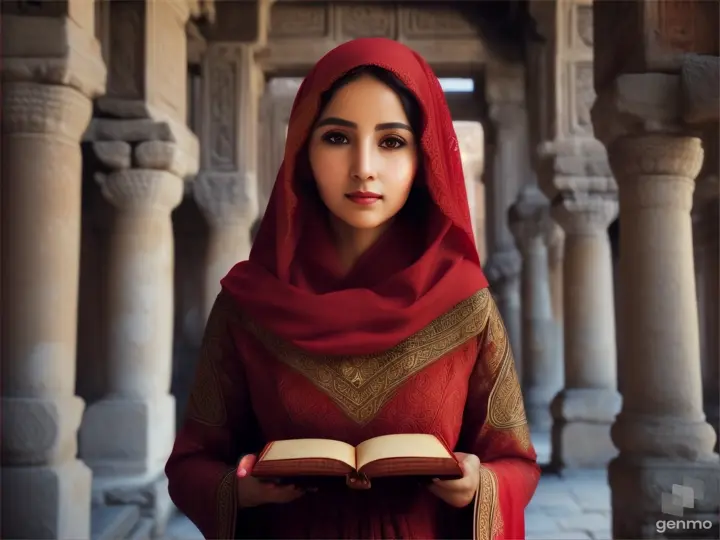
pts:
[364, 165]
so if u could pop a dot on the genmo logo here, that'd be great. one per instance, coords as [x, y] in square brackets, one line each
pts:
[664, 525]
[681, 498]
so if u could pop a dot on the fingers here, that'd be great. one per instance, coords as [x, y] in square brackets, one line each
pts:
[246, 465]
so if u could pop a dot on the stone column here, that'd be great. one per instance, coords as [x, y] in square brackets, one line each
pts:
[226, 189]
[662, 426]
[46, 104]
[706, 236]
[542, 372]
[507, 170]
[145, 151]
[556, 253]
[472, 149]
[586, 407]
[662, 434]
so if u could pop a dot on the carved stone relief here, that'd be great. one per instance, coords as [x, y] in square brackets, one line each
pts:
[435, 22]
[366, 21]
[223, 90]
[300, 21]
[584, 97]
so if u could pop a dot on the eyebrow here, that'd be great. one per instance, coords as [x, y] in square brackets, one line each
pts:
[333, 121]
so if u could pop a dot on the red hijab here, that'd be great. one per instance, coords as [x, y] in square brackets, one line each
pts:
[291, 285]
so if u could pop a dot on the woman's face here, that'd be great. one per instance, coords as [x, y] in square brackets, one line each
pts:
[363, 154]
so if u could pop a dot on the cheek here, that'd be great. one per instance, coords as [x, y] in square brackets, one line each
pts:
[402, 172]
[329, 170]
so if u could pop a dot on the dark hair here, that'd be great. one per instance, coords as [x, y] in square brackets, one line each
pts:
[407, 98]
[416, 203]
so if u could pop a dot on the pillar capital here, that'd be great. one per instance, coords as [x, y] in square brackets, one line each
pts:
[656, 170]
[136, 189]
[30, 107]
[163, 145]
[656, 155]
[226, 198]
[503, 265]
[529, 216]
[584, 213]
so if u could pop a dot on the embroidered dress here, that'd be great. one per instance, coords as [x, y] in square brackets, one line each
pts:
[409, 340]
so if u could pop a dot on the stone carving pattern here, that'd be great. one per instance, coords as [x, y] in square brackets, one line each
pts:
[225, 198]
[657, 170]
[584, 92]
[584, 21]
[584, 213]
[142, 188]
[294, 21]
[127, 43]
[367, 21]
[223, 99]
[47, 109]
[428, 23]
[529, 216]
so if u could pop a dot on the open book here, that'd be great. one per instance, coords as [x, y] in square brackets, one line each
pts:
[407, 454]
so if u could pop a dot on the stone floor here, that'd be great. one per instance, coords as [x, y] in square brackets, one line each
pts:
[574, 508]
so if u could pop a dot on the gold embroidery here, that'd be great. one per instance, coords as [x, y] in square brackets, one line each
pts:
[506, 410]
[227, 506]
[206, 404]
[487, 523]
[362, 385]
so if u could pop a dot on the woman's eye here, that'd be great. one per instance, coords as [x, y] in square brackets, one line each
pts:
[334, 138]
[392, 143]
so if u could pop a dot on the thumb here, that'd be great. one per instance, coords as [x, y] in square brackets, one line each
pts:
[246, 465]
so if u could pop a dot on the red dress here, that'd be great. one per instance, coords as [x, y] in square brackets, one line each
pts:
[455, 378]
[409, 340]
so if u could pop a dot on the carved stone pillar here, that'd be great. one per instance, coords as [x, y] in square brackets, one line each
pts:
[542, 373]
[227, 187]
[585, 409]
[662, 426]
[706, 237]
[145, 150]
[507, 171]
[661, 432]
[46, 103]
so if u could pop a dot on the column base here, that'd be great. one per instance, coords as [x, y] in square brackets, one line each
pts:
[582, 418]
[127, 442]
[152, 499]
[642, 497]
[46, 502]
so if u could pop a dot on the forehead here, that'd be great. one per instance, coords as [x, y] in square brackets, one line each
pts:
[365, 98]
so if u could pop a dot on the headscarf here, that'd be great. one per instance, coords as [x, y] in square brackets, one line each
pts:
[291, 285]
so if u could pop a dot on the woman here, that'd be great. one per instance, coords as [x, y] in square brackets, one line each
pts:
[362, 311]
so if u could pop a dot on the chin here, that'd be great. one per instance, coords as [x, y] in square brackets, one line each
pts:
[363, 222]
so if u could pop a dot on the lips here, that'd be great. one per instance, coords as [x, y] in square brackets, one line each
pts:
[364, 197]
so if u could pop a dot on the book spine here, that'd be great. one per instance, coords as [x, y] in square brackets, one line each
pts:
[356, 480]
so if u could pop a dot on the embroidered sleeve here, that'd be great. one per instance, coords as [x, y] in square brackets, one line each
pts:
[219, 426]
[495, 429]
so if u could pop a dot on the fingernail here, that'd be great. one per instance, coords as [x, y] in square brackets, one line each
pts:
[242, 472]
[435, 479]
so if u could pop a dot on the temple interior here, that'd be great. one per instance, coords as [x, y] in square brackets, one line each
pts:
[135, 174]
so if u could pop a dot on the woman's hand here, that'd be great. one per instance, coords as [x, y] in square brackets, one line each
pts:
[252, 491]
[459, 493]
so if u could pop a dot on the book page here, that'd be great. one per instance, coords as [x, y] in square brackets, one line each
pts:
[400, 445]
[311, 448]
